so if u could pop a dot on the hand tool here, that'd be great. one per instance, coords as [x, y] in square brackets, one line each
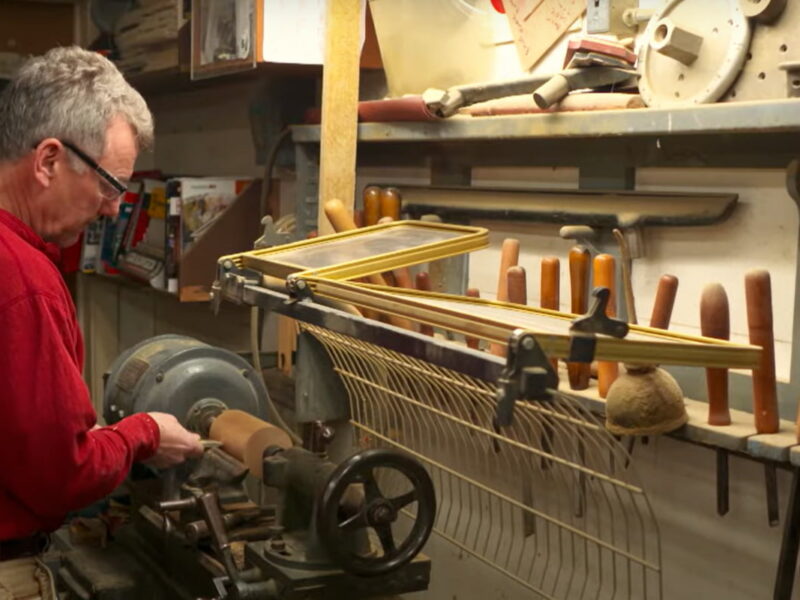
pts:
[446, 103]
[664, 302]
[473, 342]
[516, 284]
[372, 205]
[390, 203]
[715, 322]
[509, 257]
[423, 281]
[604, 270]
[758, 294]
[550, 292]
[579, 267]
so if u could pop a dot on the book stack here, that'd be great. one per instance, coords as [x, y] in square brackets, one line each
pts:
[158, 221]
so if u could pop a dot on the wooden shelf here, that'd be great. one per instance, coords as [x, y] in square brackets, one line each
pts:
[757, 134]
[740, 436]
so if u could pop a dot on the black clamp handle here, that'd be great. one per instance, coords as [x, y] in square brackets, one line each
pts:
[583, 329]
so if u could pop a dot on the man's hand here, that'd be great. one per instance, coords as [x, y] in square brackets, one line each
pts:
[177, 444]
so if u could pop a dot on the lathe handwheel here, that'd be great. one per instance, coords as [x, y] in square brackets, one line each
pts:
[378, 512]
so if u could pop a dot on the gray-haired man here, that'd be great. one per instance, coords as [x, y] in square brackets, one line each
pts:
[70, 131]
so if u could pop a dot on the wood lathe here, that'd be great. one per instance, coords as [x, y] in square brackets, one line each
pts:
[353, 529]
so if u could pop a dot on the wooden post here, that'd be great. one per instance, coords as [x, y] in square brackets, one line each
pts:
[337, 177]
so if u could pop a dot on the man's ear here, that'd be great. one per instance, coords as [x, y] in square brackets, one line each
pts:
[46, 157]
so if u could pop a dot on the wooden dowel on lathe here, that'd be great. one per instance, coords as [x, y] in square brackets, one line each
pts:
[664, 302]
[473, 342]
[390, 203]
[715, 323]
[372, 205]
[758, 293]
[423, 281]
[509, 257]
[579, 271]
[604, 268]
[549, 293]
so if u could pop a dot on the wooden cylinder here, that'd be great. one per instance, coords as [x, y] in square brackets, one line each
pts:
[758, 293]
[390, 203]
[664, 302]
[372, 205]
[509, 257]
[715, 323]
[604, 268]
[473, 342]
[245, 437]
[549, 293]
[579, 269]
[423, 282]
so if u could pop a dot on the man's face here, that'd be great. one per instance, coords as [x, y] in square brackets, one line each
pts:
[77, 199]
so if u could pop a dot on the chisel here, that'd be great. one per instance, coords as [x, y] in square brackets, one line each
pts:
[549, 291]
[715, 322]
[579, 267]
[604, 268]
[758, 294]
[390, 203]
[372, 205]
[509, 257]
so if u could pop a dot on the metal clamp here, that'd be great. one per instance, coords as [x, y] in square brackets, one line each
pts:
[298, 288]
[583, 329]
[528, 375]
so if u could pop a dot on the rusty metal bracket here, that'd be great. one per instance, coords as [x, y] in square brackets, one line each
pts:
[583, 329]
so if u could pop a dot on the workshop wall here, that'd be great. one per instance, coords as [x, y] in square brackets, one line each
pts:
[704, 556]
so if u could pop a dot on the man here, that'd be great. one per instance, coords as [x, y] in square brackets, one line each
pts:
[70, 130]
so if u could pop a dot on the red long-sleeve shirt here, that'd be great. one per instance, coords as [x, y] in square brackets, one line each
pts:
[51, 462]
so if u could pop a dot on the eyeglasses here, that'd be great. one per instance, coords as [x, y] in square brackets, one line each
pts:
[117, 187]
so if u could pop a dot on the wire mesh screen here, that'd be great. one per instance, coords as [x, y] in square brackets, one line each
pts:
[550, 501]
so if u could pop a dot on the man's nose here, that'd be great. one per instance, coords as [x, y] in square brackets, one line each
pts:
[110, 208]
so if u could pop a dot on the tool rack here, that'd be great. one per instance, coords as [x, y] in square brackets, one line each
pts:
[607, 147]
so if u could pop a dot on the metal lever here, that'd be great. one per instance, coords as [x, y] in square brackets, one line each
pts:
[527, 375]
[583, 329]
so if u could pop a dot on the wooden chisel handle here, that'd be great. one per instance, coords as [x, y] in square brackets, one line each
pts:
[423, 281]
[390, 203]
[549, 294]
[509, 257]
[664, 302]
[517, 285]
[715, 323]
[473, 342]
[604, 268]
[579, 268]
[758, 293]
[372, 205]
